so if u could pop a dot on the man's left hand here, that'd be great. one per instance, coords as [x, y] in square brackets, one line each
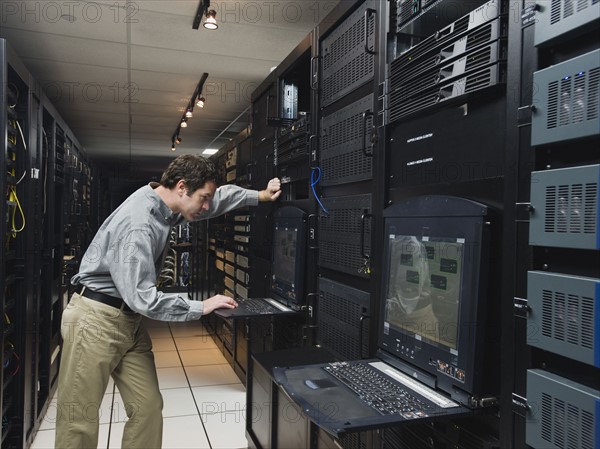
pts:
[272, 192]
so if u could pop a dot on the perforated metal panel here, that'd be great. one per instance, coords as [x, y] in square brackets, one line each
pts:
[346, 64]
[565, 208]
[564, 316]
[563, 413]
[340, 233]
[567, 100]
[344, 136]
[434, 62]
[341, 315]
[558, 18]
[454, 89]
[354, 440]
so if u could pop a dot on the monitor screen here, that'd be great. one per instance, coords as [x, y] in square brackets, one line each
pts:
[288, 256]
[424, 287]
[433, 299]
[284, 255]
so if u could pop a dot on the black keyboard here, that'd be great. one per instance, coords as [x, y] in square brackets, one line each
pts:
[257, 305]
[378, 391]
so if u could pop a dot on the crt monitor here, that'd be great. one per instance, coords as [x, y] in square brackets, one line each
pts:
[434, 278]
[288, 256]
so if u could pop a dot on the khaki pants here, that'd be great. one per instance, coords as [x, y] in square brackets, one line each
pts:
[101, 341]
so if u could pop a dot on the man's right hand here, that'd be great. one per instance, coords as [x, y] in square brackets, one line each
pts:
[218, 302]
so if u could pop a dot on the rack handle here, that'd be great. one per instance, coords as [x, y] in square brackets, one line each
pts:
[314, 73]
[365, 115]
[363, 218]
[368, 13]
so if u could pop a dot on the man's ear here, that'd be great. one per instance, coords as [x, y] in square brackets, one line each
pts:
[180, 187]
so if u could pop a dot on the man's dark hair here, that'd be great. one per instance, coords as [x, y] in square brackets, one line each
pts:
[195, 170]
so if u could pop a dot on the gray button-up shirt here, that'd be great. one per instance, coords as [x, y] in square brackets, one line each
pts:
[126, 254]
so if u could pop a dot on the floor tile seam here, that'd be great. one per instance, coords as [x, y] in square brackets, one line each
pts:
[191, 391]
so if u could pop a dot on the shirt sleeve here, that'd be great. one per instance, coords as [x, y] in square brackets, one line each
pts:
[230, 197]
[134, 276]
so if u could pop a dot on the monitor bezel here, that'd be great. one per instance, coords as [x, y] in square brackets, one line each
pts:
[431, 221]
[292, 295]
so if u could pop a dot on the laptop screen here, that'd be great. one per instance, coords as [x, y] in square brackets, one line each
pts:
[288, 256]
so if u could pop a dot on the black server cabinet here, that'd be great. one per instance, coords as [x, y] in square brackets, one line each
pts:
[345, 189]
[45, 174]
[20, 252]
[52, 298]
[446, 117]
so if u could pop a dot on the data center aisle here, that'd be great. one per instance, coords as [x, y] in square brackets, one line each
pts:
[204, 401]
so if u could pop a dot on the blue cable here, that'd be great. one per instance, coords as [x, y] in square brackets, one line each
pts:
[313, 182]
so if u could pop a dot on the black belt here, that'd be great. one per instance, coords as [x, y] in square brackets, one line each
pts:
[101, 297]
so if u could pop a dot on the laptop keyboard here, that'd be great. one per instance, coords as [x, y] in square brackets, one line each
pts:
[378, 392]
[257, 305]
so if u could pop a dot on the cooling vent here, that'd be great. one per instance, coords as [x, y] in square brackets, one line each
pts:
[342, 231]
[568, 318]
[563, 413]
[401, 107]
[354, 440]
[346, 64]
[565, 425]
[403, 71]
[571, 208]
[449, 34]
[342, 326]
[565, 212]
[567, 100]
[406, 10]
[573, 99]
[564, 315]
[409, 86]
[343, 134]
[563, 18]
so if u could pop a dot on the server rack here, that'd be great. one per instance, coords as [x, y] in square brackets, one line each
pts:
[495, 101]
[555, 90]
[348, 116]
[445, 115]
[45, 172]
[52, 297]
[559, 374]
[21, 283]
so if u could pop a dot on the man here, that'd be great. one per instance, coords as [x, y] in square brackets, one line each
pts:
[102, 329]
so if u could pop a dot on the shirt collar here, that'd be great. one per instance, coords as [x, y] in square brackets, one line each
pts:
[161, 207]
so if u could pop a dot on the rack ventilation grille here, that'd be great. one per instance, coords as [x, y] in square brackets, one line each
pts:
[574, 99]
[568, 318]
[565, 425]
[562, 9]
[571, 208]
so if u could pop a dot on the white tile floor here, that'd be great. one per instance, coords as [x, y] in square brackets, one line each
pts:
[204, 401]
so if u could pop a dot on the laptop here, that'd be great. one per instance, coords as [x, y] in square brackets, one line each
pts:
[286, 290]
[430, 360]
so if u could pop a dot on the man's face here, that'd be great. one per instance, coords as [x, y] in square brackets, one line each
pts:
[191, 207]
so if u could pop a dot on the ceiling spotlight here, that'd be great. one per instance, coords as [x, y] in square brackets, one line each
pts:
[201, 101]
[210, 23]
[187, 114]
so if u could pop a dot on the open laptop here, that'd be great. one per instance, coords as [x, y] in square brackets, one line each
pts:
[430, 360]
[287, 270]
